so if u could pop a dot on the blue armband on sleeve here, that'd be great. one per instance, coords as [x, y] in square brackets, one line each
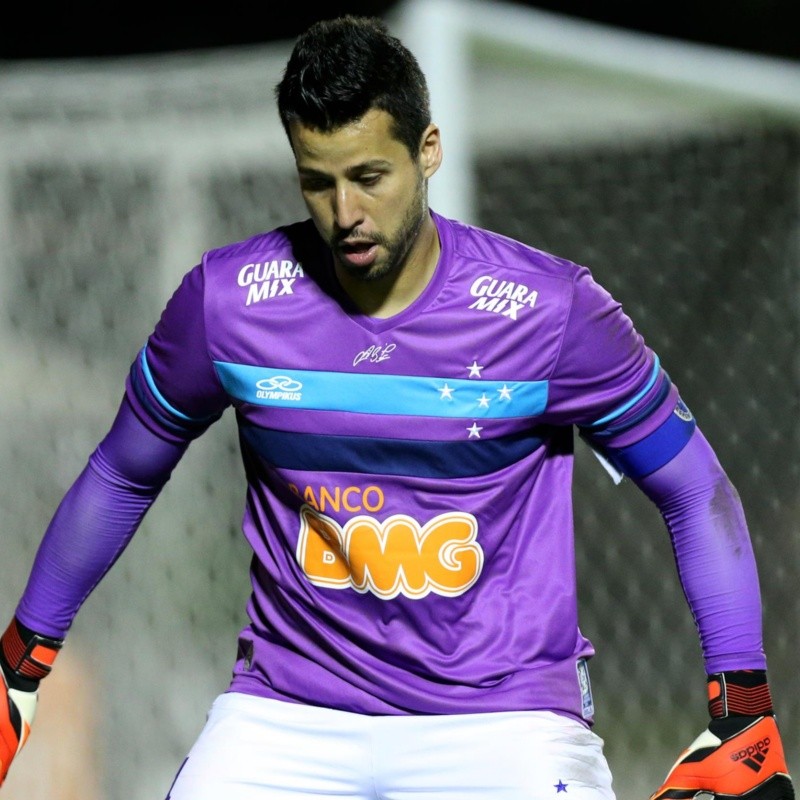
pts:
[656, 449]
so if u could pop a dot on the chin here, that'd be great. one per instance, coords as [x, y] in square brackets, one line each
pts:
[370, 274]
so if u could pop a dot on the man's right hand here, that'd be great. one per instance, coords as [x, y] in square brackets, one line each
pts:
[25, 658]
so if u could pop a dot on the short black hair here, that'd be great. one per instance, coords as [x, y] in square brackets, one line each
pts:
[341, 68]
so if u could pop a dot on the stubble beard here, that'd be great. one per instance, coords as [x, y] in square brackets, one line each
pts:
[397, 248]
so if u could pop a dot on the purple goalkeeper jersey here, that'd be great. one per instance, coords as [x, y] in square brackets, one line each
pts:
[409, 479]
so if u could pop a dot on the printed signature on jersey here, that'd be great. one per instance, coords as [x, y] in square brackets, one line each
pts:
[374, 353]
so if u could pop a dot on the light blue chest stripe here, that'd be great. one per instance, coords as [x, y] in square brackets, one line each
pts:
[401, 395]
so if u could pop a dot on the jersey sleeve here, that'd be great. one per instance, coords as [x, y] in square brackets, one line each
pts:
[713, 553]
[613, 387]
[171, 396]
[95, 521]
[172, 384]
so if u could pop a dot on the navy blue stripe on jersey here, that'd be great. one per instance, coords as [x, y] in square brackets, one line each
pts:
[656, 449]
[401, 395]
[616, 427]
[620, 410]
[372, 456]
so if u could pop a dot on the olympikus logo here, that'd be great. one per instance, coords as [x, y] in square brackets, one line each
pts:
[269, 279]
[506, 298]
[753, 756]
[279, 387]
[393, 557]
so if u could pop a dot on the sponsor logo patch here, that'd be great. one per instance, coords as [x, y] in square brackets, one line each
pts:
[506, 298]
[396, 556]
[267, 279]
[279, 387]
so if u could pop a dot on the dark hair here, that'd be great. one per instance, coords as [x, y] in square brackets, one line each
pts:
[341, 68]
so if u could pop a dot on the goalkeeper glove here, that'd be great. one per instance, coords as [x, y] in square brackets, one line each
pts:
[25, 658]
[740, 754]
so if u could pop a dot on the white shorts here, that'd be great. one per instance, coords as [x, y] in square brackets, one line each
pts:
[257, 749]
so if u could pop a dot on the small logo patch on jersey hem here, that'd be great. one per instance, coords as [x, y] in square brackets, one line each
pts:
[587, 703]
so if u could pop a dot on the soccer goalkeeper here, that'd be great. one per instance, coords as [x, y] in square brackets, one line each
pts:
[407, 389]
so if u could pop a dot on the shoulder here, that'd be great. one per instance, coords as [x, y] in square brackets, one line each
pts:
[267, 264]
[299, 239]
[501, 274]
[479, 248]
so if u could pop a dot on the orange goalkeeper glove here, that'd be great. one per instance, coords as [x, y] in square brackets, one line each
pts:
[25, 658]
[740, 754]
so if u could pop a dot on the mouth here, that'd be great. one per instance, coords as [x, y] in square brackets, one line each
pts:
[358, 254]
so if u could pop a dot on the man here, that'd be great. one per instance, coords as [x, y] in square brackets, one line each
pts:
[406, 389]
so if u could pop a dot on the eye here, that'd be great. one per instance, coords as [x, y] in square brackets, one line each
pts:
[370, 178]
[310, 183]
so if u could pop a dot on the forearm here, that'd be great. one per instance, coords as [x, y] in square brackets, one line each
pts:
[714, 555]
[95, 521]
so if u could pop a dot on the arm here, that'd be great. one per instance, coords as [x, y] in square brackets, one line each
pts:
[172, 396]
[741, 751]
[94, 522]
[713, 553]
[630, 413]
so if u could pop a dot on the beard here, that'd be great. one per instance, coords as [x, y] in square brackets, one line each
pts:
[396, 247]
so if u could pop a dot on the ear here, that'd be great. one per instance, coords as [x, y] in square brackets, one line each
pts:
[430, 153]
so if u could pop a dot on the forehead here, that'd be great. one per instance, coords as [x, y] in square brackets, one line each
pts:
[367, 139]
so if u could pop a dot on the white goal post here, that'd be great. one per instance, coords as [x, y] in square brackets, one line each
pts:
[635, 79]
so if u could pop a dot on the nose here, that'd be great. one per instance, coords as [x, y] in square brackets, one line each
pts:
[346, 208]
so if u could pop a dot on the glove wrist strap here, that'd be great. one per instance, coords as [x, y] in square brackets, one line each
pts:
[29, 656]
[739, 693]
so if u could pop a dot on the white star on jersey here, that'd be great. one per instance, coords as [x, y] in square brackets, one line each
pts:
[446, 392]
[475, 369]
[474, 431]
[505, 393]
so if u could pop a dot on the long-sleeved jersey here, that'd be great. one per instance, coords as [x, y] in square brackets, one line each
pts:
[409, 479]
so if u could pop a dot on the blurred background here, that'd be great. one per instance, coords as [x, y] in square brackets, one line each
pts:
[79, 29]
[660, 150]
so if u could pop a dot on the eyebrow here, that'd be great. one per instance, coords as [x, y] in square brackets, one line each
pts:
[377, 163]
